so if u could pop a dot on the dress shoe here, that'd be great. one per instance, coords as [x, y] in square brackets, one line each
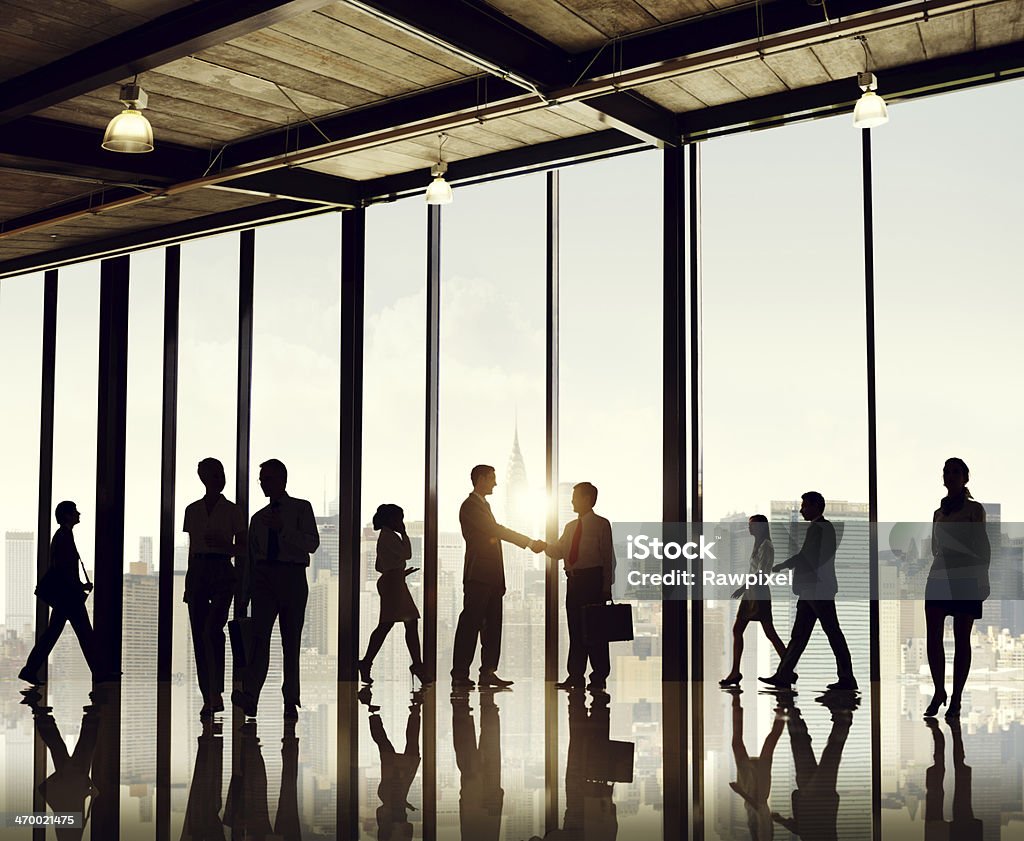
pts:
[419, 671]
[597, 684]
[730, 680]
[364, 671]
[953, 710]
[938, 700]
[462, 684]
[291, 712]
[778, 681]
[493, 680]
[29, 677]
[843, 685]
[248, 705]
[571, 683]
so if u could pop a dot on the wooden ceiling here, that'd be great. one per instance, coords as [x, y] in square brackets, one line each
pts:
[351, 95]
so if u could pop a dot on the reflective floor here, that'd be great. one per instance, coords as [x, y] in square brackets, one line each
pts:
[520, 764]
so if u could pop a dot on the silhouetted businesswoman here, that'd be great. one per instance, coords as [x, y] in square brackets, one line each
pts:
[957, 583]
[396, 604]
[481, 796]
[483, 583]
[216, 533]
[67, 598]
[589, 563]
[281, 537]
[814, 581]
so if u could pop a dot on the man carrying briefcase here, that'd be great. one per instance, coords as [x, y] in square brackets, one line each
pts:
[589, 562]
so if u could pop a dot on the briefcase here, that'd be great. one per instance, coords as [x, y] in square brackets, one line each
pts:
[240, 633]
[608, 622]
[610, 762]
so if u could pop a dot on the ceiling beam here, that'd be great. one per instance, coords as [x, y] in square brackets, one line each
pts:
[479, 32]
[167, 38]
[547, 155]
[300, 185]
[634, 114]
[200, 226]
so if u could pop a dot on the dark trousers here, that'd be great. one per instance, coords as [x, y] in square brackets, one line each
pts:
[207, 614]
[584, 587]
[76, 614]
[808, 612]
[481, 616]
[279, 593]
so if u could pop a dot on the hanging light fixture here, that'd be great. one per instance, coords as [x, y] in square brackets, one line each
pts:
[870, 110]
[130, 131]
[439, 191]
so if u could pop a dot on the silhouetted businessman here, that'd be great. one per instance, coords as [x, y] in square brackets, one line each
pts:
[397, 773]
[814, 581]
[202, 813]
[815, 799]
[964, 826]
[480, 794]
[62, 588]
[754, 773]
[589, 564]
[483, 583]
[216, 533]
[281, 537]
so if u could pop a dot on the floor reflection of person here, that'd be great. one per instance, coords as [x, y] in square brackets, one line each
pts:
[958, 583]
[202, 814]
[245, 811]
[286, 824]
[754, 773]
[964, 826]
[590, 813]
[480, 794]
[397, 773]
[71, 784]
[815, 800]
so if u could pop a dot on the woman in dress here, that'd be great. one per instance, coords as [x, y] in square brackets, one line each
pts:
[755, 604]
[396, 604]
[957, 583]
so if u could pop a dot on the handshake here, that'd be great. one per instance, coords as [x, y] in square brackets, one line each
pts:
[537, 546]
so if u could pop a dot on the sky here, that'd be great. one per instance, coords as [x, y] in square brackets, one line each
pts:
[783, 329]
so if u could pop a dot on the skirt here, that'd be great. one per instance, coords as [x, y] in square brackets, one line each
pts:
[755, 610]
[396, 604]
[955, 607]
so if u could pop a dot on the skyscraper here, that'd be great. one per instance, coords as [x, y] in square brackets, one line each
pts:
[19, 563]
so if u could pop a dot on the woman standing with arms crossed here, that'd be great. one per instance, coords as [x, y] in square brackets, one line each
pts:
[957, 583]
[756, 603]
[396, 604]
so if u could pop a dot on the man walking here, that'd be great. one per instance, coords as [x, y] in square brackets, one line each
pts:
[281, 537]
[589, 563]
[483, 583]
[814, 581]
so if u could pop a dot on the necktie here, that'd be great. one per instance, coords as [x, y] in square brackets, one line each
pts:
[273, 547]
[574, 549]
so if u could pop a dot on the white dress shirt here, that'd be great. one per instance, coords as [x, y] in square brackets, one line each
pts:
[595, 549]
[297, 537]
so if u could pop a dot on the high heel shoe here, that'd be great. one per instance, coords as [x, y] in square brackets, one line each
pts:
[364, 671]
[417, 670]
[730, 680]
[938, 700]
[953, 710]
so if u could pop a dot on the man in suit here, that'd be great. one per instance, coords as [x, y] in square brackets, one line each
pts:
[483, 583]
[814, 582]
[589, 563]
[281, 538]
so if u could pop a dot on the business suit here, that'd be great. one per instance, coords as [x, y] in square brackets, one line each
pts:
[589, 578]
[814, 581]
[483, 586]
